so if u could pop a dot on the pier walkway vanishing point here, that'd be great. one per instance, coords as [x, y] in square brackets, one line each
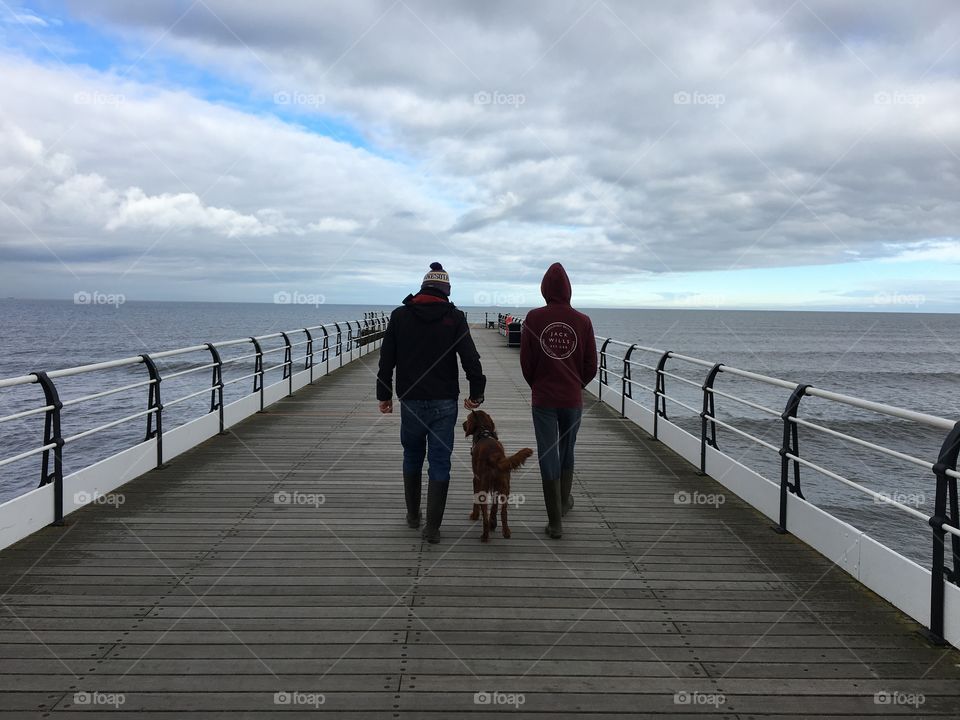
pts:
[269, 570]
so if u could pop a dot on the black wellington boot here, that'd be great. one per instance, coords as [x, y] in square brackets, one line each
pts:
[411, 493]
[436, 503]
[566, 488]
[551, 499]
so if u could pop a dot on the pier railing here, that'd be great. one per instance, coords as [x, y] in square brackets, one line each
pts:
[300, 358]
[927, 595]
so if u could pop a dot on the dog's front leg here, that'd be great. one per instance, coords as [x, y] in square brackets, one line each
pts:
[486, 523]
[476, 506]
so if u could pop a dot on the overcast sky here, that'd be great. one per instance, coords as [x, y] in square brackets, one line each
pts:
[737, 153]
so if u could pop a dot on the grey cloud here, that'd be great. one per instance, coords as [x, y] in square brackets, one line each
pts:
[616, 143]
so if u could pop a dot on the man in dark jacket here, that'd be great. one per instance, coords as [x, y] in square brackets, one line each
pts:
[422, 341]
[558, 357]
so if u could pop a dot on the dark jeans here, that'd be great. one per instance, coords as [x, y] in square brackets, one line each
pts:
[556, 430]
[426, 431]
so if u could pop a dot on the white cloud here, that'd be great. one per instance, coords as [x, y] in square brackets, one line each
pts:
[945, 250]
[12, 17]
[333, 224]
[182, 211]
[154, 190]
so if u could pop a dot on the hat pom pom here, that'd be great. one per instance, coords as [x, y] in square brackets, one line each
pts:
[436, 266]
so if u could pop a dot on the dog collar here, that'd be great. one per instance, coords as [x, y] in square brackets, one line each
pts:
[483, 433]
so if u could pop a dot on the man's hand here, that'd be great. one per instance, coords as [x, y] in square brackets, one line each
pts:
[386, 406]
[471, 404]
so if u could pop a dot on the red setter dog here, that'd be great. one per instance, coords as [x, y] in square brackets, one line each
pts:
[491, 471]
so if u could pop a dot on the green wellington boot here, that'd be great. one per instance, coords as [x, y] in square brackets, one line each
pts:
[436, 503]
[411, 493]
[553, 503]
[566, 488]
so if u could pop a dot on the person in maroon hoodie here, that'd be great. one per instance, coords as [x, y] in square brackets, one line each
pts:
[558, 357]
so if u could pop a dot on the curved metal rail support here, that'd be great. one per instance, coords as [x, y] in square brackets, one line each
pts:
[325, 348]
[660, 394]
[604, 380]
[707, 416]
[790, 446]
[287, 362]
[626, 387]
[308, 355]
[258, 371]
[216, 385]
[154, 403]
[52, 434]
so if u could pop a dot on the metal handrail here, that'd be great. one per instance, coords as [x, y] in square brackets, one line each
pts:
[238, 358]
[680, 378]
[241, 378]
[93, 431]
[26, 413]
[51, 448]
[864, 443]
[206, 390]
[745, 434]
[945, 519]
[189, 370]
[857, 486]
[27, 454]
[743, 401]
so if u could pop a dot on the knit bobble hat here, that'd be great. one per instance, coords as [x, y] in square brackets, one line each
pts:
[437, 279]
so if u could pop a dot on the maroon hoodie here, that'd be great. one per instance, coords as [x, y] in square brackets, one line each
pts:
[558, 354]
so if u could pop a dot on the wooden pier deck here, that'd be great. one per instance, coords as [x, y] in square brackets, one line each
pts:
[201, 595]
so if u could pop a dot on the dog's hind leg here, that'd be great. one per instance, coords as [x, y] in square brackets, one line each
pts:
[503, 519]
[495, 498]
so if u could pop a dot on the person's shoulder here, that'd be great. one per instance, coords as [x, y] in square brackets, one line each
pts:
[399, 312]
[582, 317]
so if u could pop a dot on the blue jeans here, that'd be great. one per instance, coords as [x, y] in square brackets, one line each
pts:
[426, 431]
[556, 431]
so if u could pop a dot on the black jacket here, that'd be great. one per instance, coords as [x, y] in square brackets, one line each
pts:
[422, 341]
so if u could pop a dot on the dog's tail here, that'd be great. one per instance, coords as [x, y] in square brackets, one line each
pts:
[514, 461]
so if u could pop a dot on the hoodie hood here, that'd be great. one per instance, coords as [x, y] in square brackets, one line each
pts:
[555, 286]
[428, 307]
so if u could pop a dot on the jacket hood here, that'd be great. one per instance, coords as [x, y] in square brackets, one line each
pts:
[430, 309]
[555, 286]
